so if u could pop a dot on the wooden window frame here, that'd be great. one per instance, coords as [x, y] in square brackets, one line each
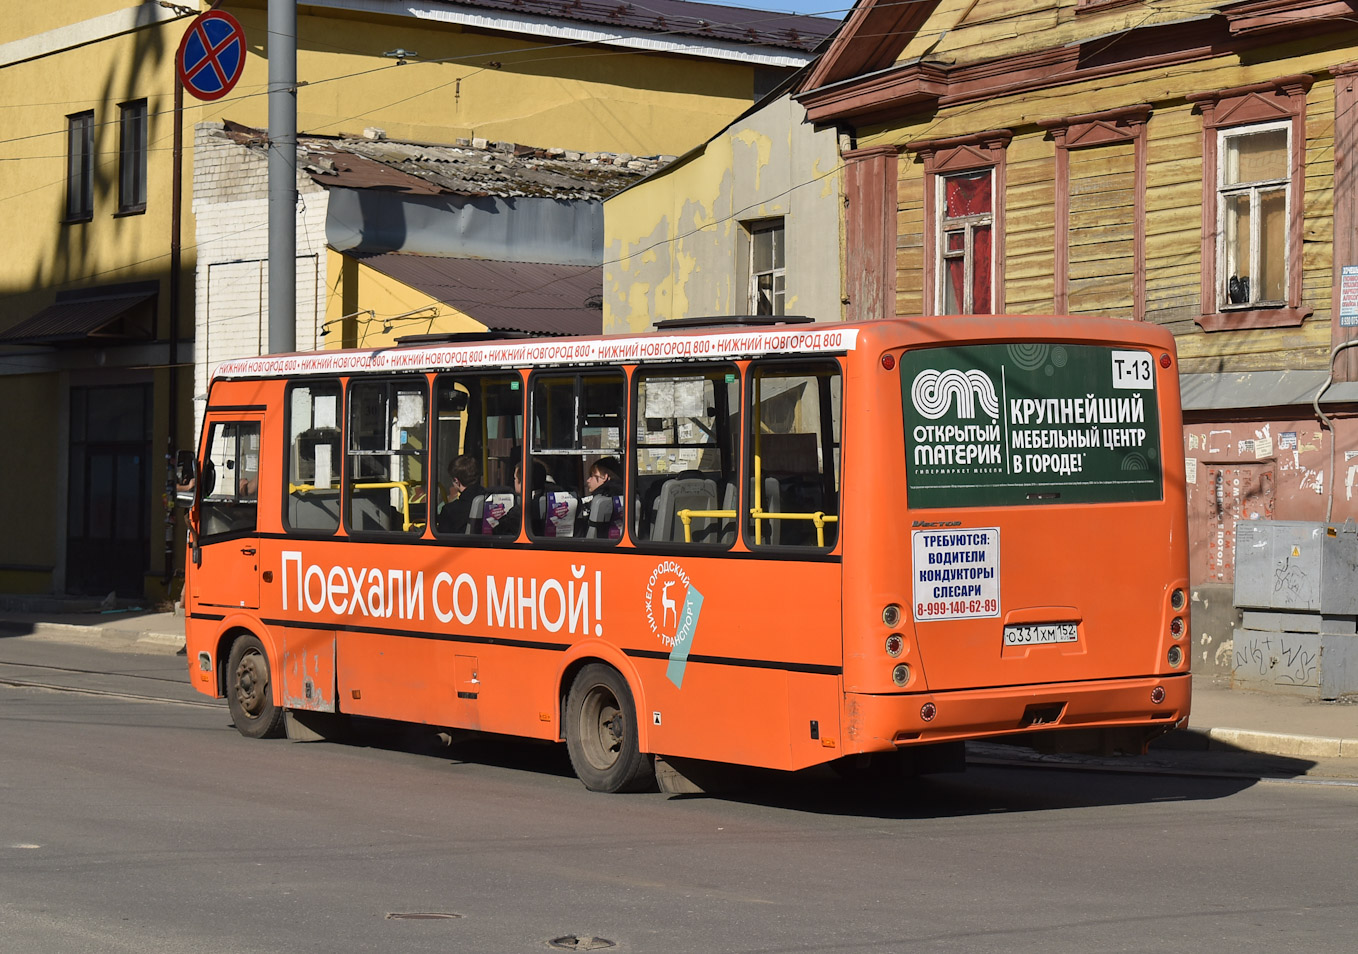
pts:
[1089, 130]
[942, 157]
[753, 228]
[1279, 100]
[133, 136]
[79, 167]
[966, 224]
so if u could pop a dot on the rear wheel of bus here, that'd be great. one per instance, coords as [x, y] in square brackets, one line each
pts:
[249, 690]
[601, 732]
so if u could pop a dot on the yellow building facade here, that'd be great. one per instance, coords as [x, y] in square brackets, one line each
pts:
[97, 298]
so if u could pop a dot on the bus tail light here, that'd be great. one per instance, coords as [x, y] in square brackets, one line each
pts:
[891, 614]
[895, 645]
[1177, 599]
[1175, 656]
[1176, 627]
[901, 674]
[1157, 695]
[928, 711]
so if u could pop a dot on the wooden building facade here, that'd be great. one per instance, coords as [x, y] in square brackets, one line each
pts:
[1190, 165]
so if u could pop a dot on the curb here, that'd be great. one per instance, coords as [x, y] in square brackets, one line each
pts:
[1277, 743]
[161, 640]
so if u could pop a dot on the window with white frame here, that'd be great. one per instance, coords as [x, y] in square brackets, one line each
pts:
[1253, 186]
[132, 157]
[80, 166]
[965, 209]
[767, 279]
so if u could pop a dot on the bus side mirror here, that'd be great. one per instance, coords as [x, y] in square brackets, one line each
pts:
[186, 479]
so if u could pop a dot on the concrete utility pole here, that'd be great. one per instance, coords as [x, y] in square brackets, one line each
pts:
[282, 176]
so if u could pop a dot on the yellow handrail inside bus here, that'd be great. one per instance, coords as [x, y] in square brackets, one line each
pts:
[404, 488]
[819, 518]
[688, 515]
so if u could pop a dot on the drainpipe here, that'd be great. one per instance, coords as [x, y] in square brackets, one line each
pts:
[1325, 420]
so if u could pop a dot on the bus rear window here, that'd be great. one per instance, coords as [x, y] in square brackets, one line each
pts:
[1030, 423]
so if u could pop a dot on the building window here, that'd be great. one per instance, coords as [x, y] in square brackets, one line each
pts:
[766, 268]
[965, 242]
[132, 158]
[1253, 180]
[1252, 200]
[80, 167]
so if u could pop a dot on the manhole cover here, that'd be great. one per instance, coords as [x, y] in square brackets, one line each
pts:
[424, 916]
[576, 942]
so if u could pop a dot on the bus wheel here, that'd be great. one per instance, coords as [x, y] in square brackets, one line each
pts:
[249, 690]
[601, 733]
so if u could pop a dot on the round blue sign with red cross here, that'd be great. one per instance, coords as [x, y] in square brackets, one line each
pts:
[211, 55]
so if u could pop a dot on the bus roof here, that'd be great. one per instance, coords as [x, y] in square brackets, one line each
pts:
[715, 344]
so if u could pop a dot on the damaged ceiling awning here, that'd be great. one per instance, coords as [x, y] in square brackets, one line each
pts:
[505, 296]
[108, 314]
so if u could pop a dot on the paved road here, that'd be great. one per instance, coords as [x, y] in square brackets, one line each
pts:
[151, 826]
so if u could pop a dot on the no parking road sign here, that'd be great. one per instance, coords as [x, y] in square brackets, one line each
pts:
[211, 55]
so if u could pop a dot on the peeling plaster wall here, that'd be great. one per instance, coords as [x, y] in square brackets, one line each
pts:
[1274, 469]
[675, 246]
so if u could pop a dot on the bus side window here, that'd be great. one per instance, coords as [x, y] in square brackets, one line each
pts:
[230, 476]
[578, 425]
[313, 458]
[794, 455]
[686, 461]
[387, 452]
[479, 423]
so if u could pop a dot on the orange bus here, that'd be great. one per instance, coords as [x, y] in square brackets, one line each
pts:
[774, 545]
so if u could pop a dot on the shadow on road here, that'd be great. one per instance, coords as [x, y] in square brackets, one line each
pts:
[994, 782]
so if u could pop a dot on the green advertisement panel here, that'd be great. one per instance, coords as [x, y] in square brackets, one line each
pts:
[1030, 423]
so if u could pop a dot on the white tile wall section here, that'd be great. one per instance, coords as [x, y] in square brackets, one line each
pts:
[231, 207]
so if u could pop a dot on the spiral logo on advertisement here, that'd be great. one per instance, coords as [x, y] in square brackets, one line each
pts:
[933, 393]
[673, 605]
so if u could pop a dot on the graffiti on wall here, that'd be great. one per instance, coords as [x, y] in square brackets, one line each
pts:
[1285, 659]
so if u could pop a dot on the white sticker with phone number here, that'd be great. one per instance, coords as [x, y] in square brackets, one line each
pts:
[956, 573]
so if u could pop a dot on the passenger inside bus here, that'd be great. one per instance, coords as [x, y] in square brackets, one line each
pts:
[600, 514]
[465, 475]
[512, 519]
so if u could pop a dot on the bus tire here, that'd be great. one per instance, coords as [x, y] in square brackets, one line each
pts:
[249, 690]
[601, 733]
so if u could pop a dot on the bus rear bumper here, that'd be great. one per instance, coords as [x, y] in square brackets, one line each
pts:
[876, 723]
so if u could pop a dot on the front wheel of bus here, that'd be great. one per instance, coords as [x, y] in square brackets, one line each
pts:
[249, 690]
[601, 733]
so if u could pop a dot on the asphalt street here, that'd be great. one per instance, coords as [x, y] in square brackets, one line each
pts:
[134, 818]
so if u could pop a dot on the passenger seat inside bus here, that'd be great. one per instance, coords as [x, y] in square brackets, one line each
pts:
[369, 514]
[314, 510]
[688, 491]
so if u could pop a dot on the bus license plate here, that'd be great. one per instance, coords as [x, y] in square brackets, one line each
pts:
[1035, 634]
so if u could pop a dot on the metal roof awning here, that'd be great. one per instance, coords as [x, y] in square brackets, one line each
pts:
[505, 296]
[91, 315]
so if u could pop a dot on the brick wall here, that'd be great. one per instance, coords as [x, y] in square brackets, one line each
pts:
[231, 209]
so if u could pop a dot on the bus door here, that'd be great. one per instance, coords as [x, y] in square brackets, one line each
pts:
[227, 573]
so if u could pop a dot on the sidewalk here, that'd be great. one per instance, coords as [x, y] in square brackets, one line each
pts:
[1223, 720]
